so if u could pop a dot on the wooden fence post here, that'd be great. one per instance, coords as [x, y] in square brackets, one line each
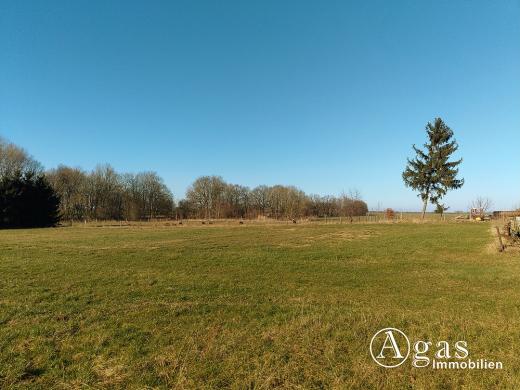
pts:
[500, 239]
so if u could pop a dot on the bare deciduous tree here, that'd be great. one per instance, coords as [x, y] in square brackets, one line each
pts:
[206, 195]
[260, 200]
[482, 203]
[15, 161]
[68, 184]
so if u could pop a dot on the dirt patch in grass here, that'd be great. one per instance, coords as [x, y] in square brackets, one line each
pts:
[110, 372]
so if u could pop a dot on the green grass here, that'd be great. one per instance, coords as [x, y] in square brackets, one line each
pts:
[251, 306]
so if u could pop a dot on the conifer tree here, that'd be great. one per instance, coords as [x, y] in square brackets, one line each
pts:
[27, 201]
[431, 172]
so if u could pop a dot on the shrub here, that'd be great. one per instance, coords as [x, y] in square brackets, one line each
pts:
[389, 214]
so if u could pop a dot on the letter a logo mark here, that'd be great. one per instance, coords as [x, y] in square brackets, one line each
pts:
[389, 344]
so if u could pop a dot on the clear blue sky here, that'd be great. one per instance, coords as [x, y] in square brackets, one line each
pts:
[324, 95]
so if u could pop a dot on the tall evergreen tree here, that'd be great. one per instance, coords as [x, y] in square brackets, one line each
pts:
[430, 172]
[27, 201]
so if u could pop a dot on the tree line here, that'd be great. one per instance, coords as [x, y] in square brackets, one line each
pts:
[31, 196]
[211, 197]
[104, 194]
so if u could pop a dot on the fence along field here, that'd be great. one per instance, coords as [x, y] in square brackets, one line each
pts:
[371, 217]
[267, 305]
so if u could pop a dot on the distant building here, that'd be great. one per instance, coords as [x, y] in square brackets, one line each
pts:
[506, 214]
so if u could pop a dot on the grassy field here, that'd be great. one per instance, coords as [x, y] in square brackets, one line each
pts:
[291, 306]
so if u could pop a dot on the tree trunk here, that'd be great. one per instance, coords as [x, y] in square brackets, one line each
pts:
[424, 208]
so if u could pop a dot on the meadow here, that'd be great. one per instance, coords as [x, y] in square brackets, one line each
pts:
[252, 306]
